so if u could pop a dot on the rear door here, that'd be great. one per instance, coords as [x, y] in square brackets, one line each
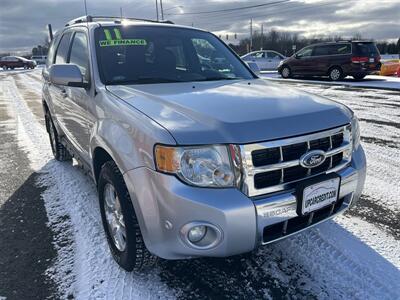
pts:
[273, 60]
[58, 93]
[14, 62]
[321, 59]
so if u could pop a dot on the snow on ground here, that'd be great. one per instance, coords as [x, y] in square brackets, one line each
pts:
[370, 81]
[348, 258]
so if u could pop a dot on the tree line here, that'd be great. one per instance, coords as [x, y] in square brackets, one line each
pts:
[283, 42]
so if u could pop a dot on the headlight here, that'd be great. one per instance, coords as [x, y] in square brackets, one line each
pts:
[205, 166]
[355, 132]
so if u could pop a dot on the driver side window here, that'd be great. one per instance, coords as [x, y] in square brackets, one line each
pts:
[306, 52]
[79, 54]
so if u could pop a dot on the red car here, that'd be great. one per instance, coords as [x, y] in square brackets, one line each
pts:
[12, 62]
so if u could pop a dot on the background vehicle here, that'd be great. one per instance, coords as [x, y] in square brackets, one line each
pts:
[265, 59]
[193, 154]
[39, 59]
[333, 59]
[12, 62]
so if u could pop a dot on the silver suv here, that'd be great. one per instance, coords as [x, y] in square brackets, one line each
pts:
[193, 155]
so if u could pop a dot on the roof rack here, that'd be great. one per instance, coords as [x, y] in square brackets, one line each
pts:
[86, 19]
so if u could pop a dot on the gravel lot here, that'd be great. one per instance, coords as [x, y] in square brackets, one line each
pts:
[52, 244]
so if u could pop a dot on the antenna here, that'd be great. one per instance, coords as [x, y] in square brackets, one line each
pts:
[157, 9]
[50, 32]
[84, 1]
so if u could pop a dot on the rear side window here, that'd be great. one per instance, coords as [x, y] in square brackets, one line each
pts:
[273, 55]
[342, 49]
[366, 49]
[63, 48]
[333, 49]
[321, 50]
[79, 53]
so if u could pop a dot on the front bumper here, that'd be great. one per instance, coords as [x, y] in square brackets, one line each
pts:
[164, 205]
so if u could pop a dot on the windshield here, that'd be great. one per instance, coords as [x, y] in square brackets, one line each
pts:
[156, 54]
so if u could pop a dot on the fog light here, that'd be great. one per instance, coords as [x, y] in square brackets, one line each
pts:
[197, 233]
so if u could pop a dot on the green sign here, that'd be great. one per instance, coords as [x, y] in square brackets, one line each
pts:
[123, 42]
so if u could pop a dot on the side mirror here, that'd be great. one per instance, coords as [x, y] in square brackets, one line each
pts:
[254, 67]
[66, 74]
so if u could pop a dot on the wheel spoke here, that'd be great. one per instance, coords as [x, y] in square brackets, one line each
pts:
[114, 217]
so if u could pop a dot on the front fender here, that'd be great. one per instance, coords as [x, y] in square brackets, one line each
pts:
[129, 138]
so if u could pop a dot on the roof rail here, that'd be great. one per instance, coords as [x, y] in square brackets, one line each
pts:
[85, 19]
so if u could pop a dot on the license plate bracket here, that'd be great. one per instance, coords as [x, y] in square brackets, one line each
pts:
[317, 193]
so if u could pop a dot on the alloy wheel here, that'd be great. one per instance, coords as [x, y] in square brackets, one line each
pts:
[114, 217]
[285, 72]
[335, 74]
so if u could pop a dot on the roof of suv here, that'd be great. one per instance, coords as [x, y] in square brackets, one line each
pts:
[110, 21]
[342, 41]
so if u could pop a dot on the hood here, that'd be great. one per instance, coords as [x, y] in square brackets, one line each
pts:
[232, 111]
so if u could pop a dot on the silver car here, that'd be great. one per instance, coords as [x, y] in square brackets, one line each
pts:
[265, 59]
[193, 155]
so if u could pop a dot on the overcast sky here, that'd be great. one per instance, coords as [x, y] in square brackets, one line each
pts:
[22, 22]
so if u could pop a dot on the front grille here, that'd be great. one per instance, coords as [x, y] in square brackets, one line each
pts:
[274, 166]
[278, 230]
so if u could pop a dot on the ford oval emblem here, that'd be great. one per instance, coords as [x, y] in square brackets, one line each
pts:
[312, 159]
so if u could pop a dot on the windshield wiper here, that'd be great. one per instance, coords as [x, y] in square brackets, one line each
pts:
[144, 80]
[219, 78]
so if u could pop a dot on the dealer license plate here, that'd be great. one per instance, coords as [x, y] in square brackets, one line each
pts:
[371, 60]
[320, 194]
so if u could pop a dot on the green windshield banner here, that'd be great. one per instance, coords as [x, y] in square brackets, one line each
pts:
[123, 42]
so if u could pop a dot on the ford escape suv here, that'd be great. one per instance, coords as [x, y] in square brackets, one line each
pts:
[333, 59]
[193, 155]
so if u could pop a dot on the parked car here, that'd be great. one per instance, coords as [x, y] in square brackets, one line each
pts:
[265, 59]
[333, 59]
[12, 62]
[39, 59]
[193, 160]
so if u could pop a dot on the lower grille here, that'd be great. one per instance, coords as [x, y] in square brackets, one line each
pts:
[275, 166]
[278, 230]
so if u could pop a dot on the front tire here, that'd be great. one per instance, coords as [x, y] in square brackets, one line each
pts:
[335, 74]
[286, 72]
[59, 151]
[119, 221]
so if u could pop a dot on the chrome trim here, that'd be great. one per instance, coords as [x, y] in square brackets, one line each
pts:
[343, 208]
[282, 207]
[249, 170]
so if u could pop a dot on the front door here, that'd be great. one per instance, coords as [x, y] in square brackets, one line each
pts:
[70, 103]
[75, 113]
[302, 63]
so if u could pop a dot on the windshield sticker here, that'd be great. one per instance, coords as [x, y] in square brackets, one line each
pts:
[123, 42]
[107, 34]
[117, 34]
